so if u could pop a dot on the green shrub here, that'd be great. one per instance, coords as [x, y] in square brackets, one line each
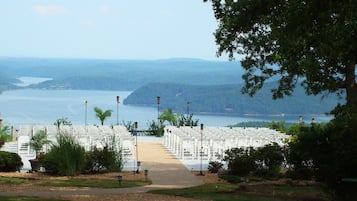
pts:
[214, 166]
[155, 129]
[269, 160]
[65, 158]
[231, 178]
[10, 162]
[328, 153]
[5, 135]
[241, 162]
[299, 151]
[265, 161]
[300, 173]
[107, 159]
[334, 153]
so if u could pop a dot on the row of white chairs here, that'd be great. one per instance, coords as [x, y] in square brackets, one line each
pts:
[210, 143]
[28, 130]
[88, 136]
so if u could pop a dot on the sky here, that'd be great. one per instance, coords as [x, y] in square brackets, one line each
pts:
[108, 29]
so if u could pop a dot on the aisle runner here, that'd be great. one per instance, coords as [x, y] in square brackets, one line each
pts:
[164, 169]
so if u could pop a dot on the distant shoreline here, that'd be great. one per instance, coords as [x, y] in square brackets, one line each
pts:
[242, 115]
[27, 81]
[195, 112]
[263, 115]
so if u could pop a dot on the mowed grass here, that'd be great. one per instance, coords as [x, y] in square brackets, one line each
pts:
[21, 198]
[93, 183]
[228, 192]
[212, 191]
[74, 182]
[70, 182]
[12, 180]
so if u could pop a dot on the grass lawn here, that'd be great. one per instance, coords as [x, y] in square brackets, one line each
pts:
[70, 182]
[211, 191]
[240, 192]
[20, 198]
[12, 180]
[93, 183]
[74, 182]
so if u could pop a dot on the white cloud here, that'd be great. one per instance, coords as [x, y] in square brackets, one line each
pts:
[104, 9]
[49, 9]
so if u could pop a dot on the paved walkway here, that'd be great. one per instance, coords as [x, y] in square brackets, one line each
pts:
[164, 171]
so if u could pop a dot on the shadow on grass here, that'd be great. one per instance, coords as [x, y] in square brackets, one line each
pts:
[242, 192]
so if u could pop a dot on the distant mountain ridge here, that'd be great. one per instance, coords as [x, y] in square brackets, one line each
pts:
[210, 86]
[94, 74]
[228, 100]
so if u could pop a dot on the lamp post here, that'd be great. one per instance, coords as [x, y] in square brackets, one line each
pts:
[85, 112]
[0, 121]
[188, 107]
[201, 152]
[188, 114]
[158, 114]
[136, 147]
[120, 179]
[146, 173]
[85, 116]
[118, 101]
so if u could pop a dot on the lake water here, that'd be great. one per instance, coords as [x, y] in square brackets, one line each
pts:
[34, 107]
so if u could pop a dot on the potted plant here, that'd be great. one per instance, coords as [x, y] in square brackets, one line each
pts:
[37, 142]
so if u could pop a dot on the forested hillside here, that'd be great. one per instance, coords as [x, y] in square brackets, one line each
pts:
[92, 74]
[210, 87]
[227, 99]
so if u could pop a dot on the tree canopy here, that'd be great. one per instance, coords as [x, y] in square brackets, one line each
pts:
[312, 43]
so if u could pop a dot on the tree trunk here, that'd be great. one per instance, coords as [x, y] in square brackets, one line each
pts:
[350, 85]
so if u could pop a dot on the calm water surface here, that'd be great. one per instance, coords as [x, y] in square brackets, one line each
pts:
[31, 107]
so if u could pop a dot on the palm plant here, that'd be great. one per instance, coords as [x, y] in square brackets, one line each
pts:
[155, 129]
[186, 120]
[62, 121]
[169, 116]
[102, 115]
[38, 141]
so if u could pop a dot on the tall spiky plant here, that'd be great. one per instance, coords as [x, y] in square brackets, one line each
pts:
[66, 157]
